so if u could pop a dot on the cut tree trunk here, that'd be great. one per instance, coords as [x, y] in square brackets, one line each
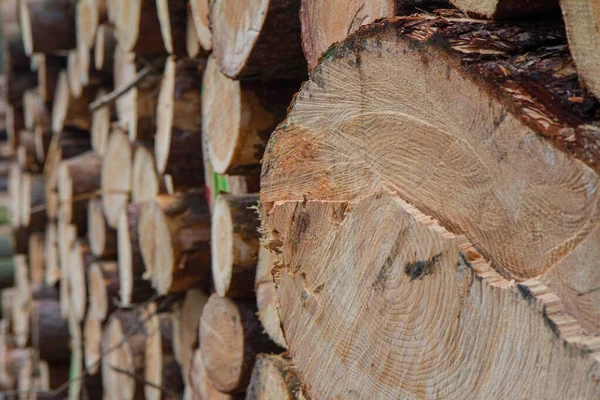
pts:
[172, 15]
[137, 27]
[87, 17]
[174, 236]
[49, 332]
[73, 73]
[192, 44]
[68, 110]
[103, 283]
[136, 108]
[104, 49]
[116, 176]
[273, 378]
[162, 369]
[402, 98]
[67, 235]
[504, 9]
[123, 345]
[200, 10]
[134, 281]
[78, 180]
[582, 18]
[261, 40]
[102, 238]
[145, 183]
[238, 118]
[92, 337]
[39, 18]
[202, 387]
[14, 194]
[266, 296]
[80, 260]
[230, 338]
[177, 146]
[26, 156]
[234, 245]
[186, 322]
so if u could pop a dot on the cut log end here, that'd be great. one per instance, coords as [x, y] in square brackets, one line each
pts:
[100, 126]
[92, 332]
[26, 28]
[199, 10]
[201, 384]
[116, 176]
[77, 270]
[103, 285]
[164, 116]
[145, 182]
[273, 379]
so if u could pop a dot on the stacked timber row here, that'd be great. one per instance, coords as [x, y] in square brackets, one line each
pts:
[419, 219]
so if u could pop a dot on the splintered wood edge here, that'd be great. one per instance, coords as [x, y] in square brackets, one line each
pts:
[221, 240]
[266, 301]
[236, 30]
[145, 184]
[221, 134]
[164, 116]
[92, 333]
[116, 176]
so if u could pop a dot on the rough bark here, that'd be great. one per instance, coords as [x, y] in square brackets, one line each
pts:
[174, 235]
[234, 245]
[161, 369]
[581, 21]
[179, 122]
[172, 15]
[259, 40]
[135, 286]
[504, 9]
[126, 355]
[103, 281]
[230, 338]
[397, 175]
[38, 17]
[102, 238]
[272, 379]
[238, 118]
[49, 332]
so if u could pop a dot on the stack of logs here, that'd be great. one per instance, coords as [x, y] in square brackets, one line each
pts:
[429, 201]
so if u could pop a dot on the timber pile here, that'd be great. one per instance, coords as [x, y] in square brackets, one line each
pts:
[420, 222]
